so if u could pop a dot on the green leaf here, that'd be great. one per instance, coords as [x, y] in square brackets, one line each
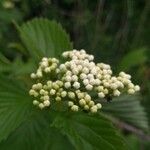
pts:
[133, 58]
[44, 38]
[89, 132]
[36, 134]
[14, 106]
[128, 109]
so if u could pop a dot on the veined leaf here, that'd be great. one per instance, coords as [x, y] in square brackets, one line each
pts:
[36, 134]
[44, 38]
[14, 106]
[89, 132]
[128, 109]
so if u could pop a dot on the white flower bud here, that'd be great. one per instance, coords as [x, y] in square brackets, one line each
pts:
[76, 85]
[99, 106]
[86, 107]
[46, 103]
[33, 75]
[74, 78]
[80, 95]
[41, 105]
[74, 108]
[52, 92]
[58, 98]
[71, 95]
[35, 102]
[70, 103]
[46, 97]
[83, 76]
[63, 94]
[116, 93]
[85, 70]
[137, 88]
[101, 95]
[89, 87]
[85, 82]
[67, 85]
[82, 102]
[131, 91]
[91, 103]
[68, 78]
[93, 109]
[32, 92]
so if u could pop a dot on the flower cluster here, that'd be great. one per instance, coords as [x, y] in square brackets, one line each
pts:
[78, 82]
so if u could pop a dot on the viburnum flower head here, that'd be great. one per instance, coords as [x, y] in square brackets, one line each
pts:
[78, 82]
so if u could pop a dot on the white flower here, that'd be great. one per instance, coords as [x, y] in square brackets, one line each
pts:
[136, 88]
[101, 95]
[99, 106]
[46, 103]
[82, 102]
[93, 109]
[83, 76]
[131, 91]
[116, 93]
[58, 98]
[67, 85]
[52, 92]
[74, 78]
[74, 108]
[63, 94]
[35, 102]
[85, 70]
[71, 95]
[33, 75]
[70, 103]
[89, 87]
[41, 105]
[76, 85]
[85, 82]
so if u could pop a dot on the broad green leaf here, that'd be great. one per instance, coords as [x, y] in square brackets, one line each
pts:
[14, 106]
[128, 109]
[36, 134]
[89, 132]
[133, 58]
[44, 38]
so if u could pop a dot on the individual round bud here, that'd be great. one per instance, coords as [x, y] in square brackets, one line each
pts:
[85, 82]
[31, 92]
[99, 106]
[58, 98]
[101, 95]
[68, 78]
[87, 98]
[70, 103]
[116, 93]
[76, 85]
[35, 102]
[93, 109]
[63, 94]
[74, 108]
[41, 105]
[89, 87]
[86, 107]
[105, 91]
[36, 94]
[113, 86]
[80, 95]
[82, 102]
[39, 74]
[91, 103]
[74, 78]
[67, 85]
[83, 76]
[130, 85]
[39, 86]
[137, 88]
[85, 70]
[52, 92]
[131, 91]
[33, 75]
[47, 69]
[46, 97]
[47, 103]
[71, 95]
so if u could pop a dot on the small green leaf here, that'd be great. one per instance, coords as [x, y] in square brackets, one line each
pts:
[44, 38]
[89, 132]
[128, 109]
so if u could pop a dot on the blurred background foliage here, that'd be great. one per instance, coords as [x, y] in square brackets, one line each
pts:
[115, 31]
